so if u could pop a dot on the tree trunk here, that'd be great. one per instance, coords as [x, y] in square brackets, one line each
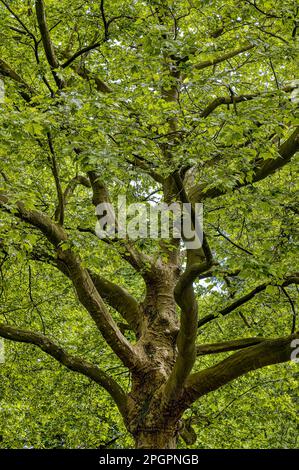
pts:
[156, 439]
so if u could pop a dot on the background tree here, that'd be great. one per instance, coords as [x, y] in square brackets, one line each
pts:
[174, 101]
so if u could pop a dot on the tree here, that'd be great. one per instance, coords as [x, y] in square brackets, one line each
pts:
[176, 101]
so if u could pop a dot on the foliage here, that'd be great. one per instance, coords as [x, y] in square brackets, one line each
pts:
[136, 98]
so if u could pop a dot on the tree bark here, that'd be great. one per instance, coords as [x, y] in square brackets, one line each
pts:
[156, 439]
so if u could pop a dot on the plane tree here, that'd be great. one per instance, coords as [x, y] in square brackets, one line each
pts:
[188, 102]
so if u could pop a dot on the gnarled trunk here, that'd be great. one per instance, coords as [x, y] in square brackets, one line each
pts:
[150, 424]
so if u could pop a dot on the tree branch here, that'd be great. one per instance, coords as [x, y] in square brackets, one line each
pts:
[228, 55]
[115, 296]
[186, 299]
[138, 260]
[266, 353]
[233, 99]
[77, 180]
[19, 21]
[73, 363]
[293, 279]
[25, 90]
[234, 345]
[59, 212]
[292, 304]
[86, 290]
[236, 245]
[142, 163]
[86, 74]
[119, 299]
[47, 43]
[268, 14]
[82, 51]
[185, 344]
[261, 170]
[105, 22]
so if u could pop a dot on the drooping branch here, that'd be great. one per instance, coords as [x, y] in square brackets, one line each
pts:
[228, 55]
[261, 170]
[268, 352]
[73, 363]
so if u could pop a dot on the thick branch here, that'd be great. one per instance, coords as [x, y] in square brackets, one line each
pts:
[199, 262]
[287, 150]
[268, 352]
[92, 301]
[53, 232]
[185, 344]
[115, 296]
[205, 250]
[73, 363]
[86, 291]
[221, 100]
[142, 163]
[118, 298]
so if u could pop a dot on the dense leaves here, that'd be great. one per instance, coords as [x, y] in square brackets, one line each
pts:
[136, 93]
